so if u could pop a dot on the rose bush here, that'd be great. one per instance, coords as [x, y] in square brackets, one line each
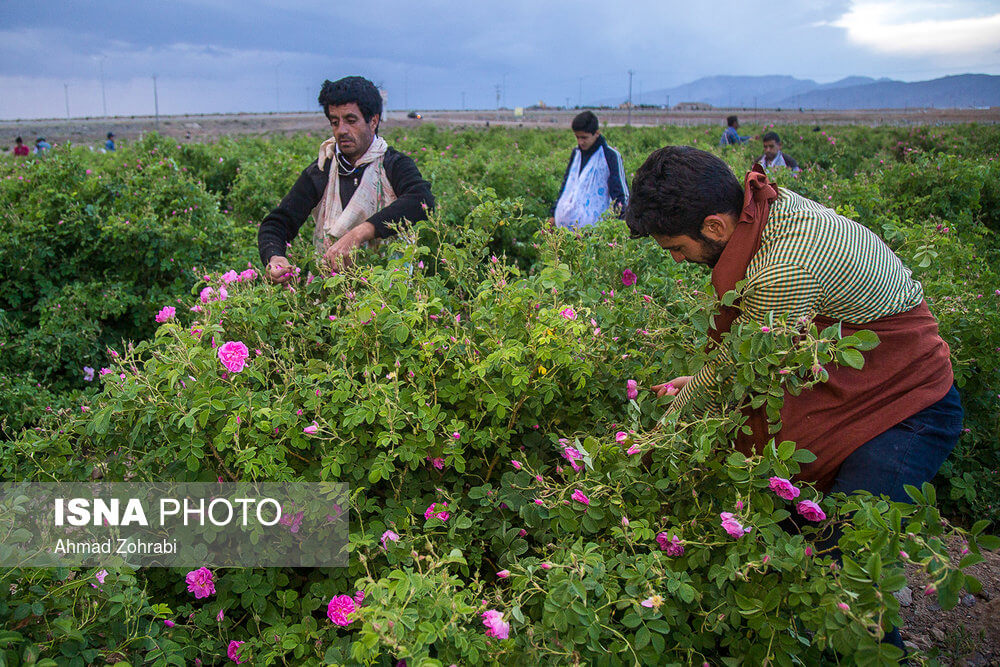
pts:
[417, 377]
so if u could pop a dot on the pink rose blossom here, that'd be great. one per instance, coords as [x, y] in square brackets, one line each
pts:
[732, 526]
[436, 510]
[810, 510]
[495, 625]
[200, 582]
[809, 551]
[632, 390]
[389, 536]
[671, 390]
[539, 501]
[311, 429]
[843, 606]
[230, 277]
[166, 313]
[516, 464]
[572, 455]
[784, 488]
[249, 274]
[233, 652]
[206, 294]
[167, 622]
[100, 576]
[233, 355]
[437, 462]
[568, 313]
[580, 498]
[621, 436]
[545, 566]
[221, 616]
[671, 544]
[340, 607]
[503, 574]
[456, 435]
[359, 597]
[628, 278]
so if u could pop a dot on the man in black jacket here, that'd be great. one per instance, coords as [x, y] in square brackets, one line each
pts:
[590, 187]
[358, 189]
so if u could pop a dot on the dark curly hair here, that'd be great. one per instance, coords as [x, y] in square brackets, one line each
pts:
[676, 188]
[586, 121]
[355, 89]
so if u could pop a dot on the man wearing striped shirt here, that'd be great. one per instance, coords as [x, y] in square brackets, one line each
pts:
[875, 429]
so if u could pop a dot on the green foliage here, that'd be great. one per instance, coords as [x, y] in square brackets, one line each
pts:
[519, 341]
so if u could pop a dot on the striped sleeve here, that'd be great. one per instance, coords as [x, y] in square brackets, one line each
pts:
[780, 289]
[617, 185]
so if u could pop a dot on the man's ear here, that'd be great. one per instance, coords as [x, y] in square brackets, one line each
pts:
[714, 227]
[377, 118]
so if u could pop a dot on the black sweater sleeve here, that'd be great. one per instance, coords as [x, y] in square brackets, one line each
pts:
[282, 224]
[413, 195]
[569, 165]
[616, 185]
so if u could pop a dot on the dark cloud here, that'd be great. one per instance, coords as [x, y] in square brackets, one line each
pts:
[251, 55]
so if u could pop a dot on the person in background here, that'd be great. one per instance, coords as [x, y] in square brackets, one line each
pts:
[590, 186]
[731, 135]
[41, 146]
[19, 148]
[359, 188]
[109, 145]
[773, 157]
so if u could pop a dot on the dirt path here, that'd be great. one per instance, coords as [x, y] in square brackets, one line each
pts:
[92, 131]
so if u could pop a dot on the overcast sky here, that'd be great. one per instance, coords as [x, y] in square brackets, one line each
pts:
[267, 55]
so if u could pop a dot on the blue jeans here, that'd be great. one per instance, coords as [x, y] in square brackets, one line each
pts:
[908, 453]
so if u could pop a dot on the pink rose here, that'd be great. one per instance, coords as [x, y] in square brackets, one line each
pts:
[580, 498]
[436, 510]
[311, 429]
[233, 355]
[810, 510]
[340, 607]
[234, 653]
[784, 488]
[516, 464]
[389, 536]
[100, 576]
[221, 616]
[230, 277]
[568, 313]
[503, 574]
[732, 526]
[628, 278]
[671, 544]
[632, 390]
[166, 313]
[495, 625]
[633, 450]
[201, 582]
[621, 436]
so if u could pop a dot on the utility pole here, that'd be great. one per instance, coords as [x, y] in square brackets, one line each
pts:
[104, 99]
[498, 96]
[628, 121]
[668, 102]
[156, 104]
[277, 94]
[66, 93]
[505, 90]
[567, 103]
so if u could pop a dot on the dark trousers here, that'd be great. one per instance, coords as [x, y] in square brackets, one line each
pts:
[908, 453]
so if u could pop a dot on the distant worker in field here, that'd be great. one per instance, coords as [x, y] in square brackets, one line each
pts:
[876, 428]
[359, 189]
[731, 135]
[109, 145]
[773, 157]
[20, 149]
[590, 186]
[41, 146]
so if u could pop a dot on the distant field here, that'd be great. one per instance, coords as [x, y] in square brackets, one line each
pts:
[207, 127]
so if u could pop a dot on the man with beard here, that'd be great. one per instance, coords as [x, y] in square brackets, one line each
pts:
[359, 189]
[890, 423]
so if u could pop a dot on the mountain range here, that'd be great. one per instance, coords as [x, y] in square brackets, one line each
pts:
[854, 92]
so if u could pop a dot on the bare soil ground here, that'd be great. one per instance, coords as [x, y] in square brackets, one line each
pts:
[967, 635]
[200, 128]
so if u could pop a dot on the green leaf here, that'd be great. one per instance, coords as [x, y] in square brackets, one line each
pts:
[852, 358]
